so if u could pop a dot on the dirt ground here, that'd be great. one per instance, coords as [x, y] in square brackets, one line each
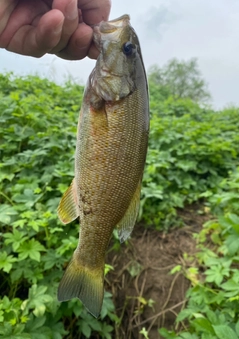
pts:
[145, 293]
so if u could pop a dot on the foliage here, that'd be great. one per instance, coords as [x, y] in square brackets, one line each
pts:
[191, 150]
[181, 79]
[213, 309]
[38, 122]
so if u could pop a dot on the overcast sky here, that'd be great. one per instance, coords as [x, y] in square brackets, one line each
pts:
[206, 29]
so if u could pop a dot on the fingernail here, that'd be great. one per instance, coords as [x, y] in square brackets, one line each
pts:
[71, 11]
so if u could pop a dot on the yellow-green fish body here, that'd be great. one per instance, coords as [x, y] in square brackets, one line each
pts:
[110, 156]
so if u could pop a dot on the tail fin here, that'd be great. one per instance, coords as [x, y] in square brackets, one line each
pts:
[85, 284]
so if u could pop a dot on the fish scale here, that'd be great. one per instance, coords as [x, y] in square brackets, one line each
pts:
[110, 155]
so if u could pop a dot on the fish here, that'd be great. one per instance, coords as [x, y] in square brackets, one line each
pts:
[111, 147]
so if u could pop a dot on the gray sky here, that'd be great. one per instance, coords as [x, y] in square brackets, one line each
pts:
[206, 29]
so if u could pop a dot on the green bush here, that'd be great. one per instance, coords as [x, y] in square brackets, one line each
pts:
[38, 121]
[213, 308]
[191, 149]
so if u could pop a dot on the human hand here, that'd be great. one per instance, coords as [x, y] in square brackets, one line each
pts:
[61, 27]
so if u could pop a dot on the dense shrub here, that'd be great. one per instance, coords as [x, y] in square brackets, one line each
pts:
[38, 123]
[190, 150]
[212, 311]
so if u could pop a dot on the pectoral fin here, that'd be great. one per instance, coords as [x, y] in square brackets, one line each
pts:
[126, 224]
[68, 209]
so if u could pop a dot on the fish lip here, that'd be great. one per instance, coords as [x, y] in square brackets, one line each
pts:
[105, 27]
[123, 19]
[113, 25]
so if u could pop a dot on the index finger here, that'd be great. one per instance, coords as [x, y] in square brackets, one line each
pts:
[94, 11]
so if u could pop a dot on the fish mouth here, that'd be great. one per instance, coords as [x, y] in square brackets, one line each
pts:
[122, 20]
[103, 28]
[107, 27]
[111, 26]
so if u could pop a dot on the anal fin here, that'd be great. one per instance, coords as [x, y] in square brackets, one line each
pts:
[68, 209]
[126, 224]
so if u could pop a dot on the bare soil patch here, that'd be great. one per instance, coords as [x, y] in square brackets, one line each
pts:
[142, 273]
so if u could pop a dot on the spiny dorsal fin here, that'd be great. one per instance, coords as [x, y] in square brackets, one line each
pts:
[126, 224]
[68, 209]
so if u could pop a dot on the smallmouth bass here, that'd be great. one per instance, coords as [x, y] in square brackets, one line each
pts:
[111, 148]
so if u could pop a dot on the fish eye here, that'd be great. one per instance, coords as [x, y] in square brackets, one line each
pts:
[128, 48]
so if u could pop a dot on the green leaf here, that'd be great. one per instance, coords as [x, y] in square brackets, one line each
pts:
[144, 332]
[15, 238]
[134, 268]
[235, 221]
[6, 261]
[106, 330]
[232, 244]
[176, 269]
[237, 328]
[202, 324]
[38, 300]
[230, 285]
[6, 212]
[51, 258]
[85, 328]
[167, 334]
[217, 272]
[30, 249]
[37, 323]
[107, 306]
[186, 313]
[185, 335]
[225, 332]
